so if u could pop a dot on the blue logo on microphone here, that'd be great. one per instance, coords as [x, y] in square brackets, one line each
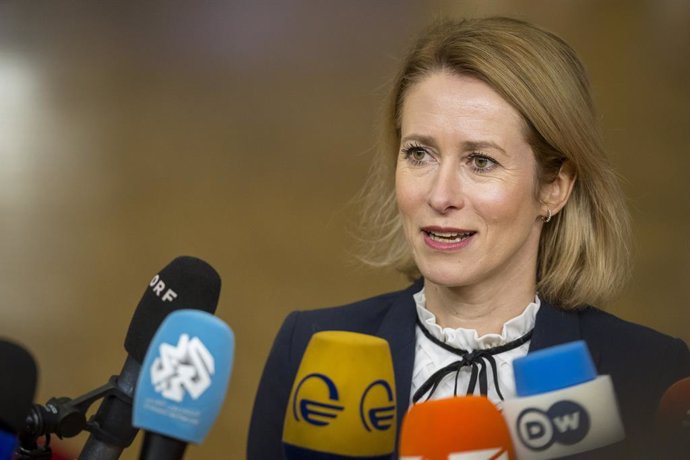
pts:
[315, 412]
[566, 422]
[373, 414]
[184, 376]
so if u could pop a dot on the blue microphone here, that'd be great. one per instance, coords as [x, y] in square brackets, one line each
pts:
[562, 406]
[183, 382]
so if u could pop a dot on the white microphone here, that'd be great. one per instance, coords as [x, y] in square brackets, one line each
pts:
[562, 407]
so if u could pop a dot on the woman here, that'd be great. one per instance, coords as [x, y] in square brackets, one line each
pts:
[493, 190]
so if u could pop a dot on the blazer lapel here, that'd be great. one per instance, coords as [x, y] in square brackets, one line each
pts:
[398, 328]
[554, 326]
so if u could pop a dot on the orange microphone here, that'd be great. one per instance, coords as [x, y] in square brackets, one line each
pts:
[460, 428]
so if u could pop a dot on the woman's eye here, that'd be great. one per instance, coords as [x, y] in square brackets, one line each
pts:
[482, 163]
[415, 154]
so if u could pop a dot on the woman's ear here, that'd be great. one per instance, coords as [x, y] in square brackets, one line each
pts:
[554, 195]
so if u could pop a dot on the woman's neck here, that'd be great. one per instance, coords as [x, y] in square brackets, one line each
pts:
[485, 311]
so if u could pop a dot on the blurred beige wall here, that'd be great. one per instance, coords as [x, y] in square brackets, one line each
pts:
[238, 132]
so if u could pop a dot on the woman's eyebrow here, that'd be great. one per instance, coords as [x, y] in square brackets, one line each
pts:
[467, 145]
[480, 145]
[421, 138]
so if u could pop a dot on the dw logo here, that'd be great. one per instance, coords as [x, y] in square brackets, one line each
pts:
[312, 411]
[373, 414]
[185, 367]
[566, 422]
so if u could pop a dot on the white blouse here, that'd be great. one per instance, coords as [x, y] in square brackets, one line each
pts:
[430, 357]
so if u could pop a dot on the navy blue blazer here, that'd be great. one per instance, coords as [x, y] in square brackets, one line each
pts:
[642, 363]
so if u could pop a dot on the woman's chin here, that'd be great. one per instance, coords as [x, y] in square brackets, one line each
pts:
[445, 278]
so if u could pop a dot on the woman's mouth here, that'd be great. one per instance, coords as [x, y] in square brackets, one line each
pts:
[447, 238]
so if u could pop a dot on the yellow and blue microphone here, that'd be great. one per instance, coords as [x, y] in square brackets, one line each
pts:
[342, 404]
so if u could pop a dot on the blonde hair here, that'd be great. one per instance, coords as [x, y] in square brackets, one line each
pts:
[583, 253]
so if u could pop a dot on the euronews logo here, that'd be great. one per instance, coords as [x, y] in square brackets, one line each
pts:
[185, 368]
[565, 422]
[324, 404]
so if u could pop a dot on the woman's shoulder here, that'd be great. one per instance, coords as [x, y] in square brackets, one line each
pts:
[627, 350]
[597, 323]
[641, 356]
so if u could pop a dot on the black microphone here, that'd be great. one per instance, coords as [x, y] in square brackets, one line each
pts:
[17, 388]
[186, 282]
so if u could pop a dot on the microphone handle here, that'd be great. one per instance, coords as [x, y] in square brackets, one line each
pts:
[158, 446]
[95, 449]
[111, 428]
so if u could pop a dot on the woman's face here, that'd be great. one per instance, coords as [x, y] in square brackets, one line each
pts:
[465, 185]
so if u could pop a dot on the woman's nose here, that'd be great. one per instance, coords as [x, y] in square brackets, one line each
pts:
[446, 190]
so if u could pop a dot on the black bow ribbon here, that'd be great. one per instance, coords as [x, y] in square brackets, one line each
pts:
[478, 360]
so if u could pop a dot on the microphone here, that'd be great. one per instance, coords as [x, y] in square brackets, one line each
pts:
[458, 428]
[17, 389]
[342, 404]
[562, 407]
[673, 419]
[183, 384]
[186, 282]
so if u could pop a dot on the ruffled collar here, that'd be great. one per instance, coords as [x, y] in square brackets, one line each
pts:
[468, 339]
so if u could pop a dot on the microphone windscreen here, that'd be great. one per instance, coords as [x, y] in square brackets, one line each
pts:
[185, 376]
[18, 375]
[571, 413]
[553, 368]
[468, 427]
[674, 408]
[673, 417]
[342, 403]
[186, 282]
